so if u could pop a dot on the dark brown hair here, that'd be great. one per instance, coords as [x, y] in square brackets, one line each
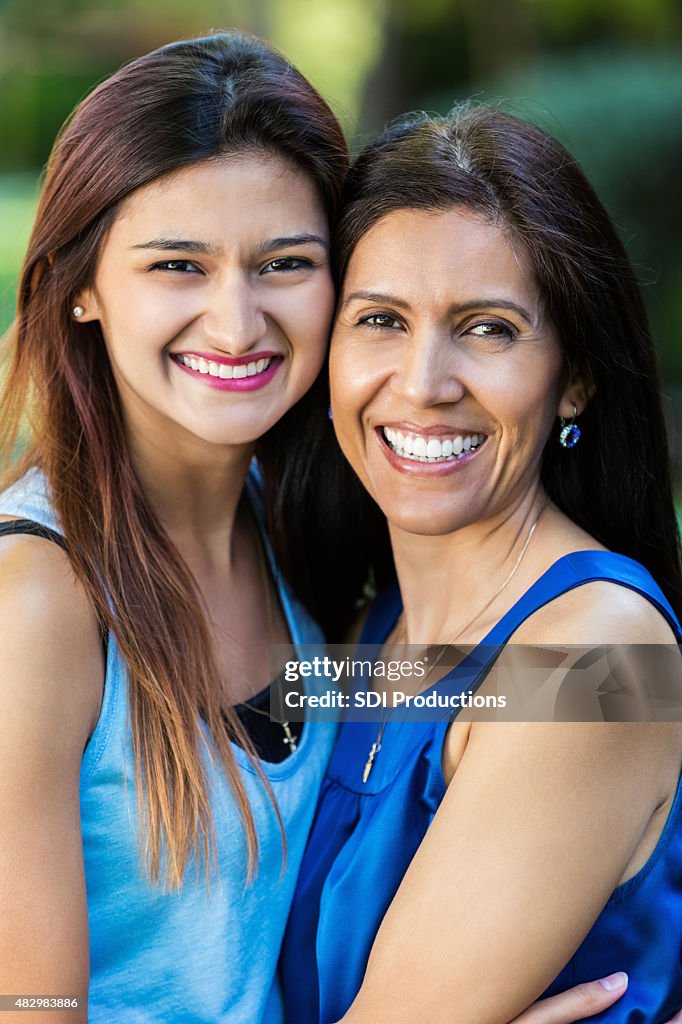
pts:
[616, 483]
[187, 102]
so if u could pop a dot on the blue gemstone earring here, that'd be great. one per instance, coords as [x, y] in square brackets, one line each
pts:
[330, 414]
[570, 432]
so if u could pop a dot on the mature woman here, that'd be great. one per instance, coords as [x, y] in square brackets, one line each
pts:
[173, 312]
[494, 387]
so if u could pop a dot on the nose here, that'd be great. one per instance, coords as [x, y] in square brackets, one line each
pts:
[233, 320]
[427, 371]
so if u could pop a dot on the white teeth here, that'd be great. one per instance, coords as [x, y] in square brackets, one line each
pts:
[223, 370]
[431, 449]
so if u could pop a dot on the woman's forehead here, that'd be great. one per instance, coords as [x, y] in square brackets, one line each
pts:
[245, 193]
[456, 248]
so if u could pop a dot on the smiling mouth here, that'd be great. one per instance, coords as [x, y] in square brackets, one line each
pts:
[225, 371]
[422, 448]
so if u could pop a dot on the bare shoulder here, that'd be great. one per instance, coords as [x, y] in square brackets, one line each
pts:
[595, 614]
[51, 659]
[631, 641]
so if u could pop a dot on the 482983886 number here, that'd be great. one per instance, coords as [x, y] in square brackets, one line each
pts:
[40, 1002]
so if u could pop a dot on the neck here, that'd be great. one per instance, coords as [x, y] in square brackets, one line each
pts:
[446, 580]
[195, 495]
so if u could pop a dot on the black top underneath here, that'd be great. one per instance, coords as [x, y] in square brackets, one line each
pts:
[266, 735]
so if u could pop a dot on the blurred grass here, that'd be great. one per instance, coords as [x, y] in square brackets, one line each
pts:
[18, 201]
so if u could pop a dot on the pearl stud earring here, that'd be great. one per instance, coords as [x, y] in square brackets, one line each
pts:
[78, 311]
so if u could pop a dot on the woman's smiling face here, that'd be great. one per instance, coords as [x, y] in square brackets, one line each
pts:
[214, 296]
[446, 375]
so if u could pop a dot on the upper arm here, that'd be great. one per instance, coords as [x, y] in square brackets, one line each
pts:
[526, 847]
[50, 688]
[532, 836]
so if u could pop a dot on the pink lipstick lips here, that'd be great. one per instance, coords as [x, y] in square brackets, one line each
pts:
[244, 373]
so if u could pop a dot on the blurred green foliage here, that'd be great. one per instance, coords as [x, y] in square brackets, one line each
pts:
[18, 198]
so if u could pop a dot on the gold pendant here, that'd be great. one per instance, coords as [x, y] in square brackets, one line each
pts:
[376, 747]
[289, 737]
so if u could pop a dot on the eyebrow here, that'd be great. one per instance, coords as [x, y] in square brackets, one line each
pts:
[289, 241]
[461, 307]
[200, 248]
[466, 307]
[390, 300]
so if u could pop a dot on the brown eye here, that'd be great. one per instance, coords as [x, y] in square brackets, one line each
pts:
[284, 264]
[491, 329]
[177, 266]
[381, 321]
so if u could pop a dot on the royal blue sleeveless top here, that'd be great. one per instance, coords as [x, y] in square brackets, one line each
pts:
[203, 954]
[364, 837]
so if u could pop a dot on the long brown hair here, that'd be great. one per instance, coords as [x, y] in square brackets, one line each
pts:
[183, 103]
[616, 483]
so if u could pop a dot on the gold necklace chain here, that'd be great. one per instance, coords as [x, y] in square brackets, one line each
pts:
[376, 746]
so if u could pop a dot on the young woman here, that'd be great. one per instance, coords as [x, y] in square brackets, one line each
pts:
[174, 307]
[456, 868]
[173, 313]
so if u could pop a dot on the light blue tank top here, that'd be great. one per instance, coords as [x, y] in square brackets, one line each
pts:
[197, 956]
[365, 835]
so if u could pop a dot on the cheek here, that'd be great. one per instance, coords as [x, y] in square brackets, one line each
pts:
[344, 384]
[135, 316]
[523, 398]
[352, 383]
[527, 426]
[305, 318]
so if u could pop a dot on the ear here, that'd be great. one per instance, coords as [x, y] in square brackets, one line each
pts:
[85, 300]
[577, 393]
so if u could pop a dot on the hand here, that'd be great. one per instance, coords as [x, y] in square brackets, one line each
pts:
[578, 1003]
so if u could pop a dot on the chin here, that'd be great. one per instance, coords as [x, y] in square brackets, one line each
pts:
[427, 522]
[238, 431]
